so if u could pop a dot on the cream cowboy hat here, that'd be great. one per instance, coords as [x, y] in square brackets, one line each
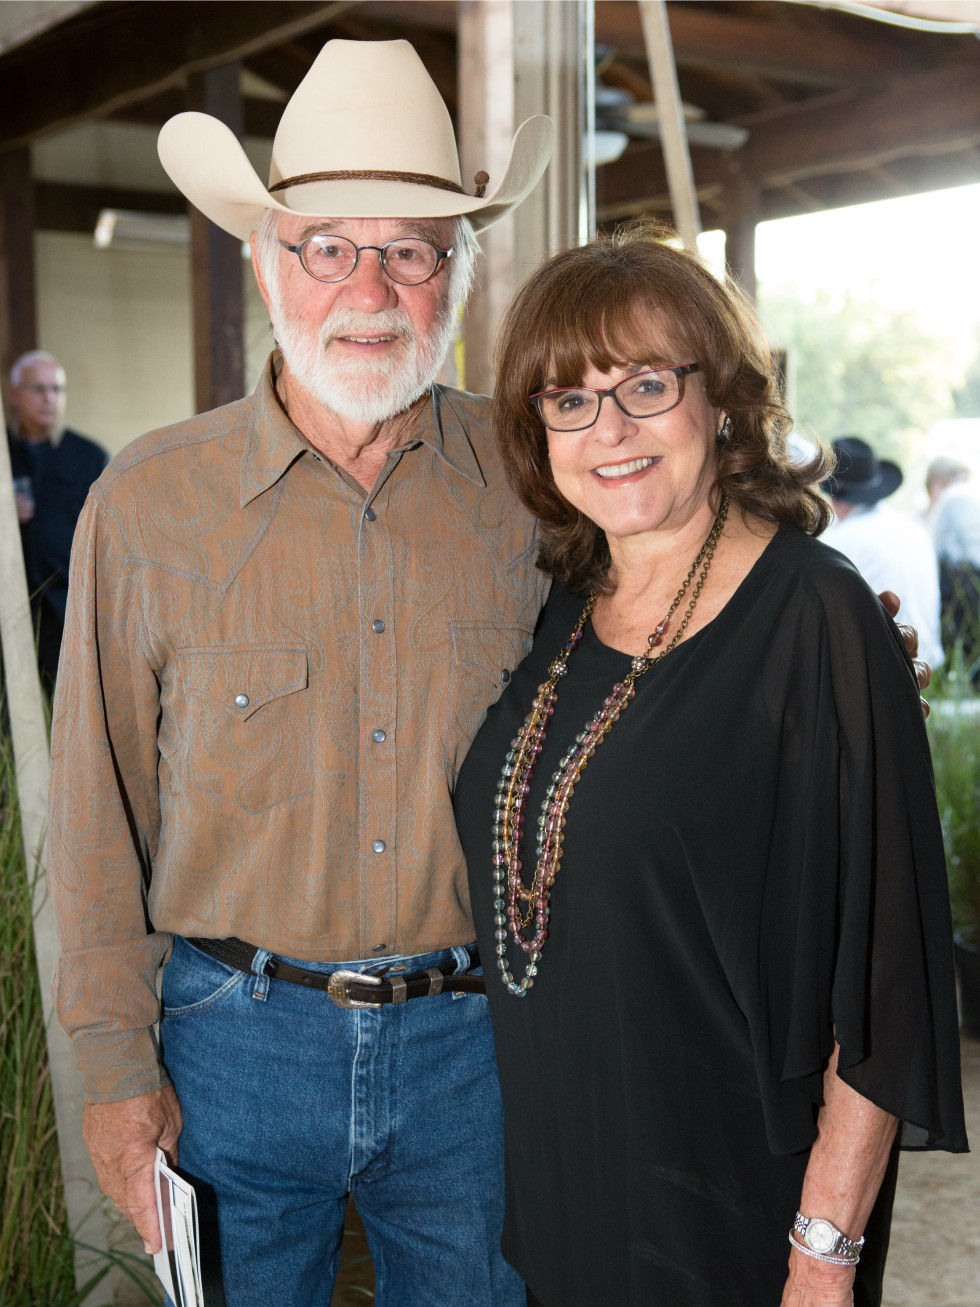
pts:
[366, 134]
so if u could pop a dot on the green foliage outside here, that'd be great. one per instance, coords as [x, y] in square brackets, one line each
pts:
[859, 369]
[967, 395]
[36, 1253]
[954, 736]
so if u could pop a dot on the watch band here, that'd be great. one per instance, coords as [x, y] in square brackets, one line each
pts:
[821, 1239]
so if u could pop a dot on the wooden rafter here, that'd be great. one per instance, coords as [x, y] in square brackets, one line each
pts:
[62, 206]
[937, 112]
[155, 45]
[261, 117]
[701, 36]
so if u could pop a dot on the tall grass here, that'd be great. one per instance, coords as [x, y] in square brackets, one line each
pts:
[954, 735]
[36, 1253]
[36, 1259]
[955, 756]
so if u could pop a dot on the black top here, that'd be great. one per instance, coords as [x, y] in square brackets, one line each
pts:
[752, 860]
[61, 476]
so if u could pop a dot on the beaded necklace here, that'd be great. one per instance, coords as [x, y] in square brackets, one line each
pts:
[509, 890]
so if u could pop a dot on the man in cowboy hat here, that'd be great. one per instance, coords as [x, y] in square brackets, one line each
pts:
[888, 548]
[286, 620]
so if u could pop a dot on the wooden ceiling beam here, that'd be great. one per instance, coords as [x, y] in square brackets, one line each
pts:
[61, 206]
[701, 36]
[725, 94]
[439, 15]
[639, 175]
[778, 50]
[905, 177]
[914, 176]
[939, 109]
[283, 66]
[154, 46]
[932, 113]
[261, 116]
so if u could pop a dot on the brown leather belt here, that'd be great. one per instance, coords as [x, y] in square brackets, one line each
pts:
[351, 988]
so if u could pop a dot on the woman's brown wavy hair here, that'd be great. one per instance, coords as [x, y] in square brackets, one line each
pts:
[592, 306]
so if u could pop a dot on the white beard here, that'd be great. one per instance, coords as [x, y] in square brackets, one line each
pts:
[369, 389]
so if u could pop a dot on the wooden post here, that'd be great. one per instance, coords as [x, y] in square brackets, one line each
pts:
[18, 300]
[742, 209]
[554, 75]
[216, 265]
[486, 127]
[673, 132]
[518, 58]
[83, 1201]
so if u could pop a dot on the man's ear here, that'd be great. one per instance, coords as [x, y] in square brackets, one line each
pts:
[257, 270]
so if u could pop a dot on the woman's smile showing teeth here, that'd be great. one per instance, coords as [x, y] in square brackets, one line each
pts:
[610, 470]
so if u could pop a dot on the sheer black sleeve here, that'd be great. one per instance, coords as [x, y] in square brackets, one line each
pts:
[857, 937]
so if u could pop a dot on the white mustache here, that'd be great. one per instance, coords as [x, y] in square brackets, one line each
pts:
[346, 322]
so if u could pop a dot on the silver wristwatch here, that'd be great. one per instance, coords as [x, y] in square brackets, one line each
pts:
[822, 1239]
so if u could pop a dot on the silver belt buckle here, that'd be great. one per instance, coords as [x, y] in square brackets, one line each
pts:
[337, 988]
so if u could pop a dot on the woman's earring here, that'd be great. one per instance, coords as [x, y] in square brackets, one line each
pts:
[726, 430]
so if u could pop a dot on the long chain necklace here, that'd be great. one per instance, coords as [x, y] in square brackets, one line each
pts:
[516, 904]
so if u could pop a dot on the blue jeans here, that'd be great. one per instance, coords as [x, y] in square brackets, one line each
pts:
[291, 1103]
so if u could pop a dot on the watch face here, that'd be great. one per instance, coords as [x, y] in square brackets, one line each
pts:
[821, 1236]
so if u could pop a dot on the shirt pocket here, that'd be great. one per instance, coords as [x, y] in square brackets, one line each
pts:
[245, 729]
[483, 660]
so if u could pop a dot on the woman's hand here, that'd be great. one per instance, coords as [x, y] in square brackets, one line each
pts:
[843, 1175]
[817, 1284]
[923, 672]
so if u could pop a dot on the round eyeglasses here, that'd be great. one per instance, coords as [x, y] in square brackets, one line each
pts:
[643, 395]
[408, 262]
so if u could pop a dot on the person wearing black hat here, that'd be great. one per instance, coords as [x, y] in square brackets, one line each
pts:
[889, 549]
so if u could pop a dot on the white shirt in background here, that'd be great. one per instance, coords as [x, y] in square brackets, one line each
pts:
[893, 552]
[955, 522]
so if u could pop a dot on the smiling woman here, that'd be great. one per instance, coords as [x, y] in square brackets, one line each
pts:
[619, 308]
[724, 981]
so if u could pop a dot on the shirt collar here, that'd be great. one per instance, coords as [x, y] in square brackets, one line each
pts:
[446, 432]
[274, 443]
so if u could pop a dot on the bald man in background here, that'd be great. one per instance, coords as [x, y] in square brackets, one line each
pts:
[53, 468]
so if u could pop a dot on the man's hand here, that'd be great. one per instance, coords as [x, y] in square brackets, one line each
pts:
[25, 508]
[923, 672]
[122, 1139]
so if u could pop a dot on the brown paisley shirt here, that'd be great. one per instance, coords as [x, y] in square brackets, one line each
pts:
[268, 682]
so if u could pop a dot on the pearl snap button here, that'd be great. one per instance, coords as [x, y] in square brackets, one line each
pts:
[378, 736]
[241, 700]
[377, 626]
[370, 514]
[379, 846]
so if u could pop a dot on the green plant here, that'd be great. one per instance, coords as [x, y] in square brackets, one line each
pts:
[36, 1252]
[955, 758]
[954, 735]
[31, 1209]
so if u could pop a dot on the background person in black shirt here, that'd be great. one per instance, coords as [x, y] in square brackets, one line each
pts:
[53, 468]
